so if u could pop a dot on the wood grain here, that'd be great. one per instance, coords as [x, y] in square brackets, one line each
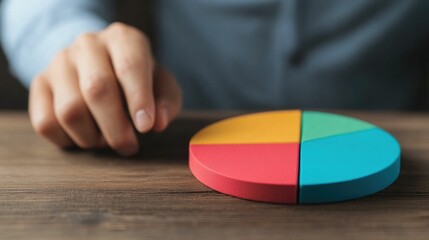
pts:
[46, 193]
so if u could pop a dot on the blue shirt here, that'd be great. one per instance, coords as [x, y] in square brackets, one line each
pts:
[253, 54]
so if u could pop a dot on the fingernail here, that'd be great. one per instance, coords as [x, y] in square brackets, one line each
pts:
[143, 121]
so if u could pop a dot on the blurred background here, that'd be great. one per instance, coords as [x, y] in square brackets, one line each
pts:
[13, 96]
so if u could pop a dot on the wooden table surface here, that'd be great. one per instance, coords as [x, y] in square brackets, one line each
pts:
[46, 193]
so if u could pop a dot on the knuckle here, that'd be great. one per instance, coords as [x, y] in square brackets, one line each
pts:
[125, 66]
[61, 55]
[145, 43]
[96, 86]
[37, 80]
[44, 125]
[71, 112]
[60, 59]
[84, 38]
[119, 28]
[144, 39]
[122, 30]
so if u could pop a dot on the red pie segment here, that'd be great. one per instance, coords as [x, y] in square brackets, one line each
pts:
[260, 172]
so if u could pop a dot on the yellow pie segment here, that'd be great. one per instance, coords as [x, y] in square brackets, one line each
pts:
[267, 127]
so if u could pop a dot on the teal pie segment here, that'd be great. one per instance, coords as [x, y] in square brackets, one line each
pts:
[316, 125]
[347, 166]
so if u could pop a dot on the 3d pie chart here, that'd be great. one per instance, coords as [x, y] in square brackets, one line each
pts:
[294, 157]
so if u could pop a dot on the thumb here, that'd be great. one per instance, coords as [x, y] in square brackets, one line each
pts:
[168, 98]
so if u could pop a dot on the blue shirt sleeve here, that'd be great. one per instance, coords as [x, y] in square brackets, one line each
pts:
[33, 31]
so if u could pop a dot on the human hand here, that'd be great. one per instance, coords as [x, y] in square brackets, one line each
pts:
[85, 94]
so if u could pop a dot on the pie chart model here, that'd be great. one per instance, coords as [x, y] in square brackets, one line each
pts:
[294, 157]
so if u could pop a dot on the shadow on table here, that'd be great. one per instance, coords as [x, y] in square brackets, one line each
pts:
[170, 144]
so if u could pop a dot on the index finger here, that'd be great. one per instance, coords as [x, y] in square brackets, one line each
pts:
[133, 64]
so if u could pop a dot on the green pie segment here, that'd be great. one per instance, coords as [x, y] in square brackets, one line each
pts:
[317, 125]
